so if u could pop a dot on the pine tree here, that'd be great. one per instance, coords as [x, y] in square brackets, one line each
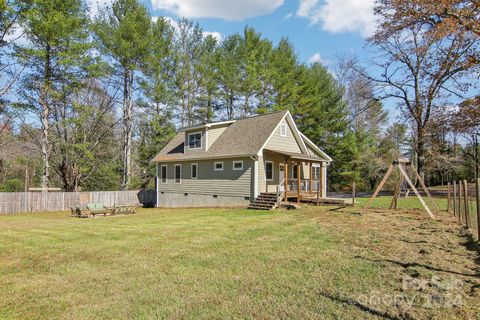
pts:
[55, 59]
[124, 34]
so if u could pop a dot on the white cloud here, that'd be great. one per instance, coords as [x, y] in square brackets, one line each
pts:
[340, 15]
[215, 34]
[222, 9]
[316, 58]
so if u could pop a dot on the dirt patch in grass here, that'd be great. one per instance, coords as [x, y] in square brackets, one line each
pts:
[430, 268]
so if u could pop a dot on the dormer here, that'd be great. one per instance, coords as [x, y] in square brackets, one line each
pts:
[202, 137]
[195, 140]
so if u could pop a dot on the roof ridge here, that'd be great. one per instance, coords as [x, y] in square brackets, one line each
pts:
[232, 120]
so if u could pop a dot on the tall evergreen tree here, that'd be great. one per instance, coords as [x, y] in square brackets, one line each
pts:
[285, 73]
[229, 75]
[321, 115]
[55, 59]
[155, 125]
[124, 34]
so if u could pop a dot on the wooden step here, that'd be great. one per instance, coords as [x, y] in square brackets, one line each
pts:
[259, 207]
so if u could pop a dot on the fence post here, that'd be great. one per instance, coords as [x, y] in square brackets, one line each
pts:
[478, 206]
[454, 198]
[467, 207]
[460, 196]
[449, 199]
[353, 193]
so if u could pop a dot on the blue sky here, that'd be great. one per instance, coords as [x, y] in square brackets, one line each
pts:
[317, 28]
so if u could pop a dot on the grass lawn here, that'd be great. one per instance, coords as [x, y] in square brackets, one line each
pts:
[325, 262]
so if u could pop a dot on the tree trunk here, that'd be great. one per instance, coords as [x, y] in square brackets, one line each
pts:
[420, 148]
[127, 128]
[476, 153]
[44, 118]
[45, 144]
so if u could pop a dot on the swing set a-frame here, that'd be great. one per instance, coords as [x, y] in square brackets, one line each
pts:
[402, 164]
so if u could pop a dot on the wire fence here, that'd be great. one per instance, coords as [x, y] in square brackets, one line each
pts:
[463, 201]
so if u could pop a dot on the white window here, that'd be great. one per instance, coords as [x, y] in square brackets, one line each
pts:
[194, 170]
[163, 173]
[269, 170]
[237, 165]
[218, 166]
[316, 172]
[283, 130]
[178, 173]
[195, 140]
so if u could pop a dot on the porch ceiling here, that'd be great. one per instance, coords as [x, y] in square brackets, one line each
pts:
[298, 156]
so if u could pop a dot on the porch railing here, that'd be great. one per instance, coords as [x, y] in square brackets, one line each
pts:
[280, 192]
[306, 185]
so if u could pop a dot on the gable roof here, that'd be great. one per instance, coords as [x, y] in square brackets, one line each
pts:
[314, 147]
[243, 137]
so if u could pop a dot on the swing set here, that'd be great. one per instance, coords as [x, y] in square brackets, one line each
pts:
[402, 164]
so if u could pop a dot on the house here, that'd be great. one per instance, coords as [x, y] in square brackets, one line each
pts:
[238, 162]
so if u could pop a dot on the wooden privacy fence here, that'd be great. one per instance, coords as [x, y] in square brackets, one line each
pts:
[464, 203]
[16, 202]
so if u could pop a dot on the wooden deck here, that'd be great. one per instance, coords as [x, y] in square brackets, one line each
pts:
[307, 197]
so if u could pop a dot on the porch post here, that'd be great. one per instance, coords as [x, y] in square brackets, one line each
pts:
[298, 178]
[286, 179]
[320, 179]
[310, 177]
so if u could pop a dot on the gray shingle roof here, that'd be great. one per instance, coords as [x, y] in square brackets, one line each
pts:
[244, 137]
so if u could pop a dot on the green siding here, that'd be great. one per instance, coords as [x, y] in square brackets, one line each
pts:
[227, 182]
[288, 143]
[213, 134]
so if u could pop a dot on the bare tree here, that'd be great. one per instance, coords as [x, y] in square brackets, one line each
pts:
[424, 73]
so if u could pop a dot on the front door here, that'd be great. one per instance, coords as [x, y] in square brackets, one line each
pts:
[281, 176]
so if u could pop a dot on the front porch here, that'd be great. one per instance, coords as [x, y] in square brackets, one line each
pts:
[293, 177]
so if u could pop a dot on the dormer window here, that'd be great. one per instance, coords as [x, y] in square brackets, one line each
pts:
[195, 140]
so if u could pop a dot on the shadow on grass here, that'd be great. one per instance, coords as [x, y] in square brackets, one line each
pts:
[357, 304]
[416, 264]
[337, 208]
[470, 243]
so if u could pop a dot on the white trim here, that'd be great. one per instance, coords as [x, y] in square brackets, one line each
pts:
[280, 165]
[207, 125]
[255, 180]
[314, 146]
[324, 182]
[166, 174]
[175, 173]
[157, 188]
[215, 166]
[205, 158]
[259, 153]
[191, 171]
[296, 134]
[206, 139]
[273, 171]
[283, 130]
[201, 140]
[233, 165]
